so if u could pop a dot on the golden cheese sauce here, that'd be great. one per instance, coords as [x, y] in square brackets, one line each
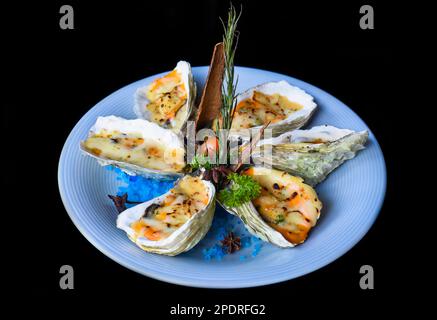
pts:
[286, 204]
[262, 108]
[166, 95]
[135, 150]
[185, 200]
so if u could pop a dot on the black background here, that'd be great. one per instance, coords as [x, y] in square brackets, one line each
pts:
[63, 73]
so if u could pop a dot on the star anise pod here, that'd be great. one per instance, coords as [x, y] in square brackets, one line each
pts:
[231, 242]
[120, 202]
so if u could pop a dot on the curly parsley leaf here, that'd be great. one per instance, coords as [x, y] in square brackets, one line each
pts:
[241, 190]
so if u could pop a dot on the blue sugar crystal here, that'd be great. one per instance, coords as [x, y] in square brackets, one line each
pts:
[224, 223]
[221, 233]
[207, 254]
[246, 242]
[140, 189]
[215, 252]
[256, 249]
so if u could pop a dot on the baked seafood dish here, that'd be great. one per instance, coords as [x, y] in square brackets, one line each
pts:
[136, 146]
[258, 160]
[311, 154]
[280, 104]
[168, 101]
[174, 222]
[285, 210]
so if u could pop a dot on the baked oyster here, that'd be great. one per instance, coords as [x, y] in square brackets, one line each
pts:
[311, 154]
[136, 146]
[168, 101]
[284, 212]
[282, 105]
[174, 222]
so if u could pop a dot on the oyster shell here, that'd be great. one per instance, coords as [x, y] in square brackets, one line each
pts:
[285, 106]
[285, 211]
[311, 154]
[169, 100]
[136, 146]
[170, 224]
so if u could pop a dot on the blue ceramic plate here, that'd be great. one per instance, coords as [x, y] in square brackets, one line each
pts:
[352, 197]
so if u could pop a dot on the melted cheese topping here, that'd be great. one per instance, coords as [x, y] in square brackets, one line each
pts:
[134, 149]
[166, 95]
[286, 204]
[261, 109]
[185, 200]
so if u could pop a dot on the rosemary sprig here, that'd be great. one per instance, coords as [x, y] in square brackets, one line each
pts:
[229, 85]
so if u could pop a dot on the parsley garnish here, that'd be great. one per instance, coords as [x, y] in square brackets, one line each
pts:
[241, 190]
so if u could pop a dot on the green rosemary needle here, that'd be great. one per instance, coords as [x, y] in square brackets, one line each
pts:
[229, 85]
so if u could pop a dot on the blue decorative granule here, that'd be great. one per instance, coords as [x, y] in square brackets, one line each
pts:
[140, 189]
[215, 252]
[256, 250]
[257, 247]
[246, 242]
[222, 225]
